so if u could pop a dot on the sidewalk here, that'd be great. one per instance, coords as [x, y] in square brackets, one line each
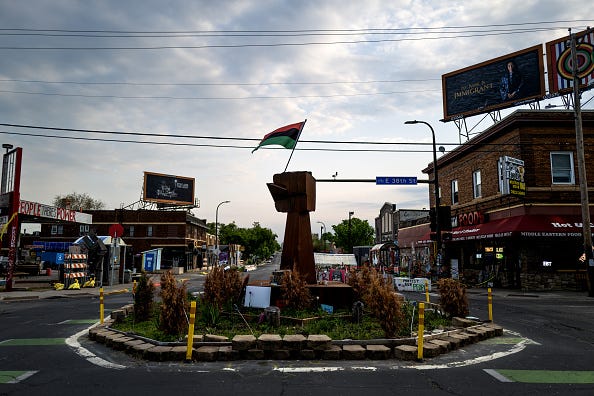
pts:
[38, 287]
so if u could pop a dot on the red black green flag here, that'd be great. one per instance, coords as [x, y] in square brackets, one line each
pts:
[286, 136]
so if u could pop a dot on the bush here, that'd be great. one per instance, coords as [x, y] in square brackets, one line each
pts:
[143, 298]
[223, 288]
[295, 291]
[380, 299]
[452, 297]
[174, 305]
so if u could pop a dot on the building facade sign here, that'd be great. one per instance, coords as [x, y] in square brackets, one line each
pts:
[51, 212]
[511, 176]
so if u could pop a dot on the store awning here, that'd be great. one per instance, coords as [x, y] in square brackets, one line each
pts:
[528, 226]
[381, 246]
[525, 226]
[417, 235]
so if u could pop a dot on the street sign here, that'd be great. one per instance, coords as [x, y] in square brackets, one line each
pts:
[116, 230]
[396, 180]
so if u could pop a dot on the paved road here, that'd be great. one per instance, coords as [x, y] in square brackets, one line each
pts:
[549, 342]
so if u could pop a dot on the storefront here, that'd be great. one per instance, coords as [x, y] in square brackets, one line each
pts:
[530, 251]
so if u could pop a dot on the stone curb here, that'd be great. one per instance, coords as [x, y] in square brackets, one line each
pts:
[212, 348]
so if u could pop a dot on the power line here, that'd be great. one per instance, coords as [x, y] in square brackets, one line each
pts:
[182, 136]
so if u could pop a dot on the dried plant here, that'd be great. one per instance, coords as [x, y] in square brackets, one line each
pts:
[143, 298]
[380, 299]
[223, 288]
[174, 305]
[295, 291]
[452, 297]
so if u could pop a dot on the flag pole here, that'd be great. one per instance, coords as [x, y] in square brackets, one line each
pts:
[292, 151]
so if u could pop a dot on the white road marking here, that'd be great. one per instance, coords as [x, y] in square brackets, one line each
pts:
[22, 377]
[72, 342]
[481, 359]
[307, 369]
[497, 376]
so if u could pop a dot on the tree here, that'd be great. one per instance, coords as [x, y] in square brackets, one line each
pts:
[78, 201]
[258, 242]
[358, 233]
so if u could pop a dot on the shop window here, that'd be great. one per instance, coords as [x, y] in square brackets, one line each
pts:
[562, 167]
[454, 191]
[476, 183]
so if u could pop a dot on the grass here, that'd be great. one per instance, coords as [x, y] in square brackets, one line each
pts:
[337, 326]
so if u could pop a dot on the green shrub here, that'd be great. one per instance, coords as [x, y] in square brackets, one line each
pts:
[452, 297]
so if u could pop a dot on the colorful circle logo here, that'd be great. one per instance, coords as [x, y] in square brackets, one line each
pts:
[585, 61]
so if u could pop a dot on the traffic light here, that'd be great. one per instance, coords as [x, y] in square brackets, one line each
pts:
[445, 218]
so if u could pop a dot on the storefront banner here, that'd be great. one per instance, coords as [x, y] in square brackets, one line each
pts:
[40, 210]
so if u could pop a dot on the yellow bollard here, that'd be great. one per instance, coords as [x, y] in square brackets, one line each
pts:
[101, 305]
[191, 331]
[490, 301]
[427, 291]
[134, 287]
[420, 331]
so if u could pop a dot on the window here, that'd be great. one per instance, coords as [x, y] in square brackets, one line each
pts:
[454, 191]
[476, 183]
[131, 231]
[562, 167]
[84, 229]
[149, 231]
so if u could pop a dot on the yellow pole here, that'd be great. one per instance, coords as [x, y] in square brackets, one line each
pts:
[420, 331]
[101, 305]
[427, 291]
[191, 331]
[134, 287]
[490, 300]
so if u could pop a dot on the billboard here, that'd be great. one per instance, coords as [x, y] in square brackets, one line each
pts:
[176, 190]
[559, 62]
[499, 83]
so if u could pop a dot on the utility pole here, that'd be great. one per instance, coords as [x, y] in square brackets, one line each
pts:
[579, 142]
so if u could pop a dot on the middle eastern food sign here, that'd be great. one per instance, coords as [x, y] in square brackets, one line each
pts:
[507, 81]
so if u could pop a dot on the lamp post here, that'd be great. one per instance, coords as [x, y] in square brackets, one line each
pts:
[435, 189]
[217, 228]
[321, 234]
[350, 241]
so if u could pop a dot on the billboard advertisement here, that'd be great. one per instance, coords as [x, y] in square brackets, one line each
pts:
[176, 190]
[559, 62]
[499, 83]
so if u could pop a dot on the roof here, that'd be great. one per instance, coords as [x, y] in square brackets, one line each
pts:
[329, 260]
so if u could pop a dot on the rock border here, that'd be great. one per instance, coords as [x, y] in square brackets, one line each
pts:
[211, 348]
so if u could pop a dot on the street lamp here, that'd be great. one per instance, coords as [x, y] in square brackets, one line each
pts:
[350, 241]
[321, 233]
[217, 225]
[435, 188]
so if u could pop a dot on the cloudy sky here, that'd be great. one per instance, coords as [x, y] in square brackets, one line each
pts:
[191, 86]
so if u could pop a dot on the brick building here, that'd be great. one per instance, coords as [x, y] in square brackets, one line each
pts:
[515, 205]
[181, 235]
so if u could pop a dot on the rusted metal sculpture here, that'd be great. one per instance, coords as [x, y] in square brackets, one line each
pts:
[294, 193]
